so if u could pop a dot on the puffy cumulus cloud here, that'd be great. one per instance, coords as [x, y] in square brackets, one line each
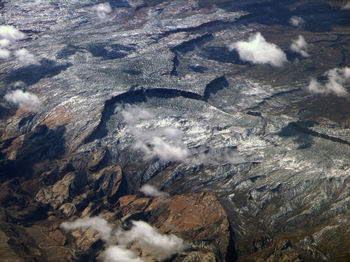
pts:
[148, 238]
[96, 223]
[141, 233]
[337, 77]
[300, 46]
[152, 191]
[346, 6]
[258, 51]
[119, 254]
[25, 100]
[162, 142]
[296, 21]
[4, 53]
[26, 58]
[10, 33]
[103, 10]
[112, 253]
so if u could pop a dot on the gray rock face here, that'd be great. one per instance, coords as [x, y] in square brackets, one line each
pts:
[155, 88]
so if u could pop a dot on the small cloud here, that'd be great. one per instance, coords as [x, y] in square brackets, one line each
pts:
[258, 51]
[337, 77]
[26, 58]
[4, 43]
[10, 33]
[150, 240]
[152, 191]
[296, 21]
[96, 223]
[346, 6]
[300, 46]
[4, 53]
[25, 100]
[103, 10]
[168, 152]
[120, 254]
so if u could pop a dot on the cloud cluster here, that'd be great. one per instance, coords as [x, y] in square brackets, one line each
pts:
[149, 239]
[26, 58]
[103, 10]
[300, 46]
[296, 21]
[25, 100]
[337, 77]
[8, 35]
[258, 51]
[152, 191]
[141, 234]
[163, 143]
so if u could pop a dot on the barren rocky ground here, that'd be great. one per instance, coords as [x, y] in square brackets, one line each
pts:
[247, 153]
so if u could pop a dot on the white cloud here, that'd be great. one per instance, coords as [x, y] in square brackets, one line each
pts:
[119, 254]
[346, 6]
[4, 53]
[4, 43]
[150, 240]
[103, 10]
[337, 77]
[157, 147]
[166, 151]
[152, 191]
[134, 114]
[25, 100]
[96, 223]
[300, 46]
[315, 87]
[296, 21]
[142, 234]
[10, 33]
[162, 142]
[112, 253]
[26, 58]
[258, 51]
